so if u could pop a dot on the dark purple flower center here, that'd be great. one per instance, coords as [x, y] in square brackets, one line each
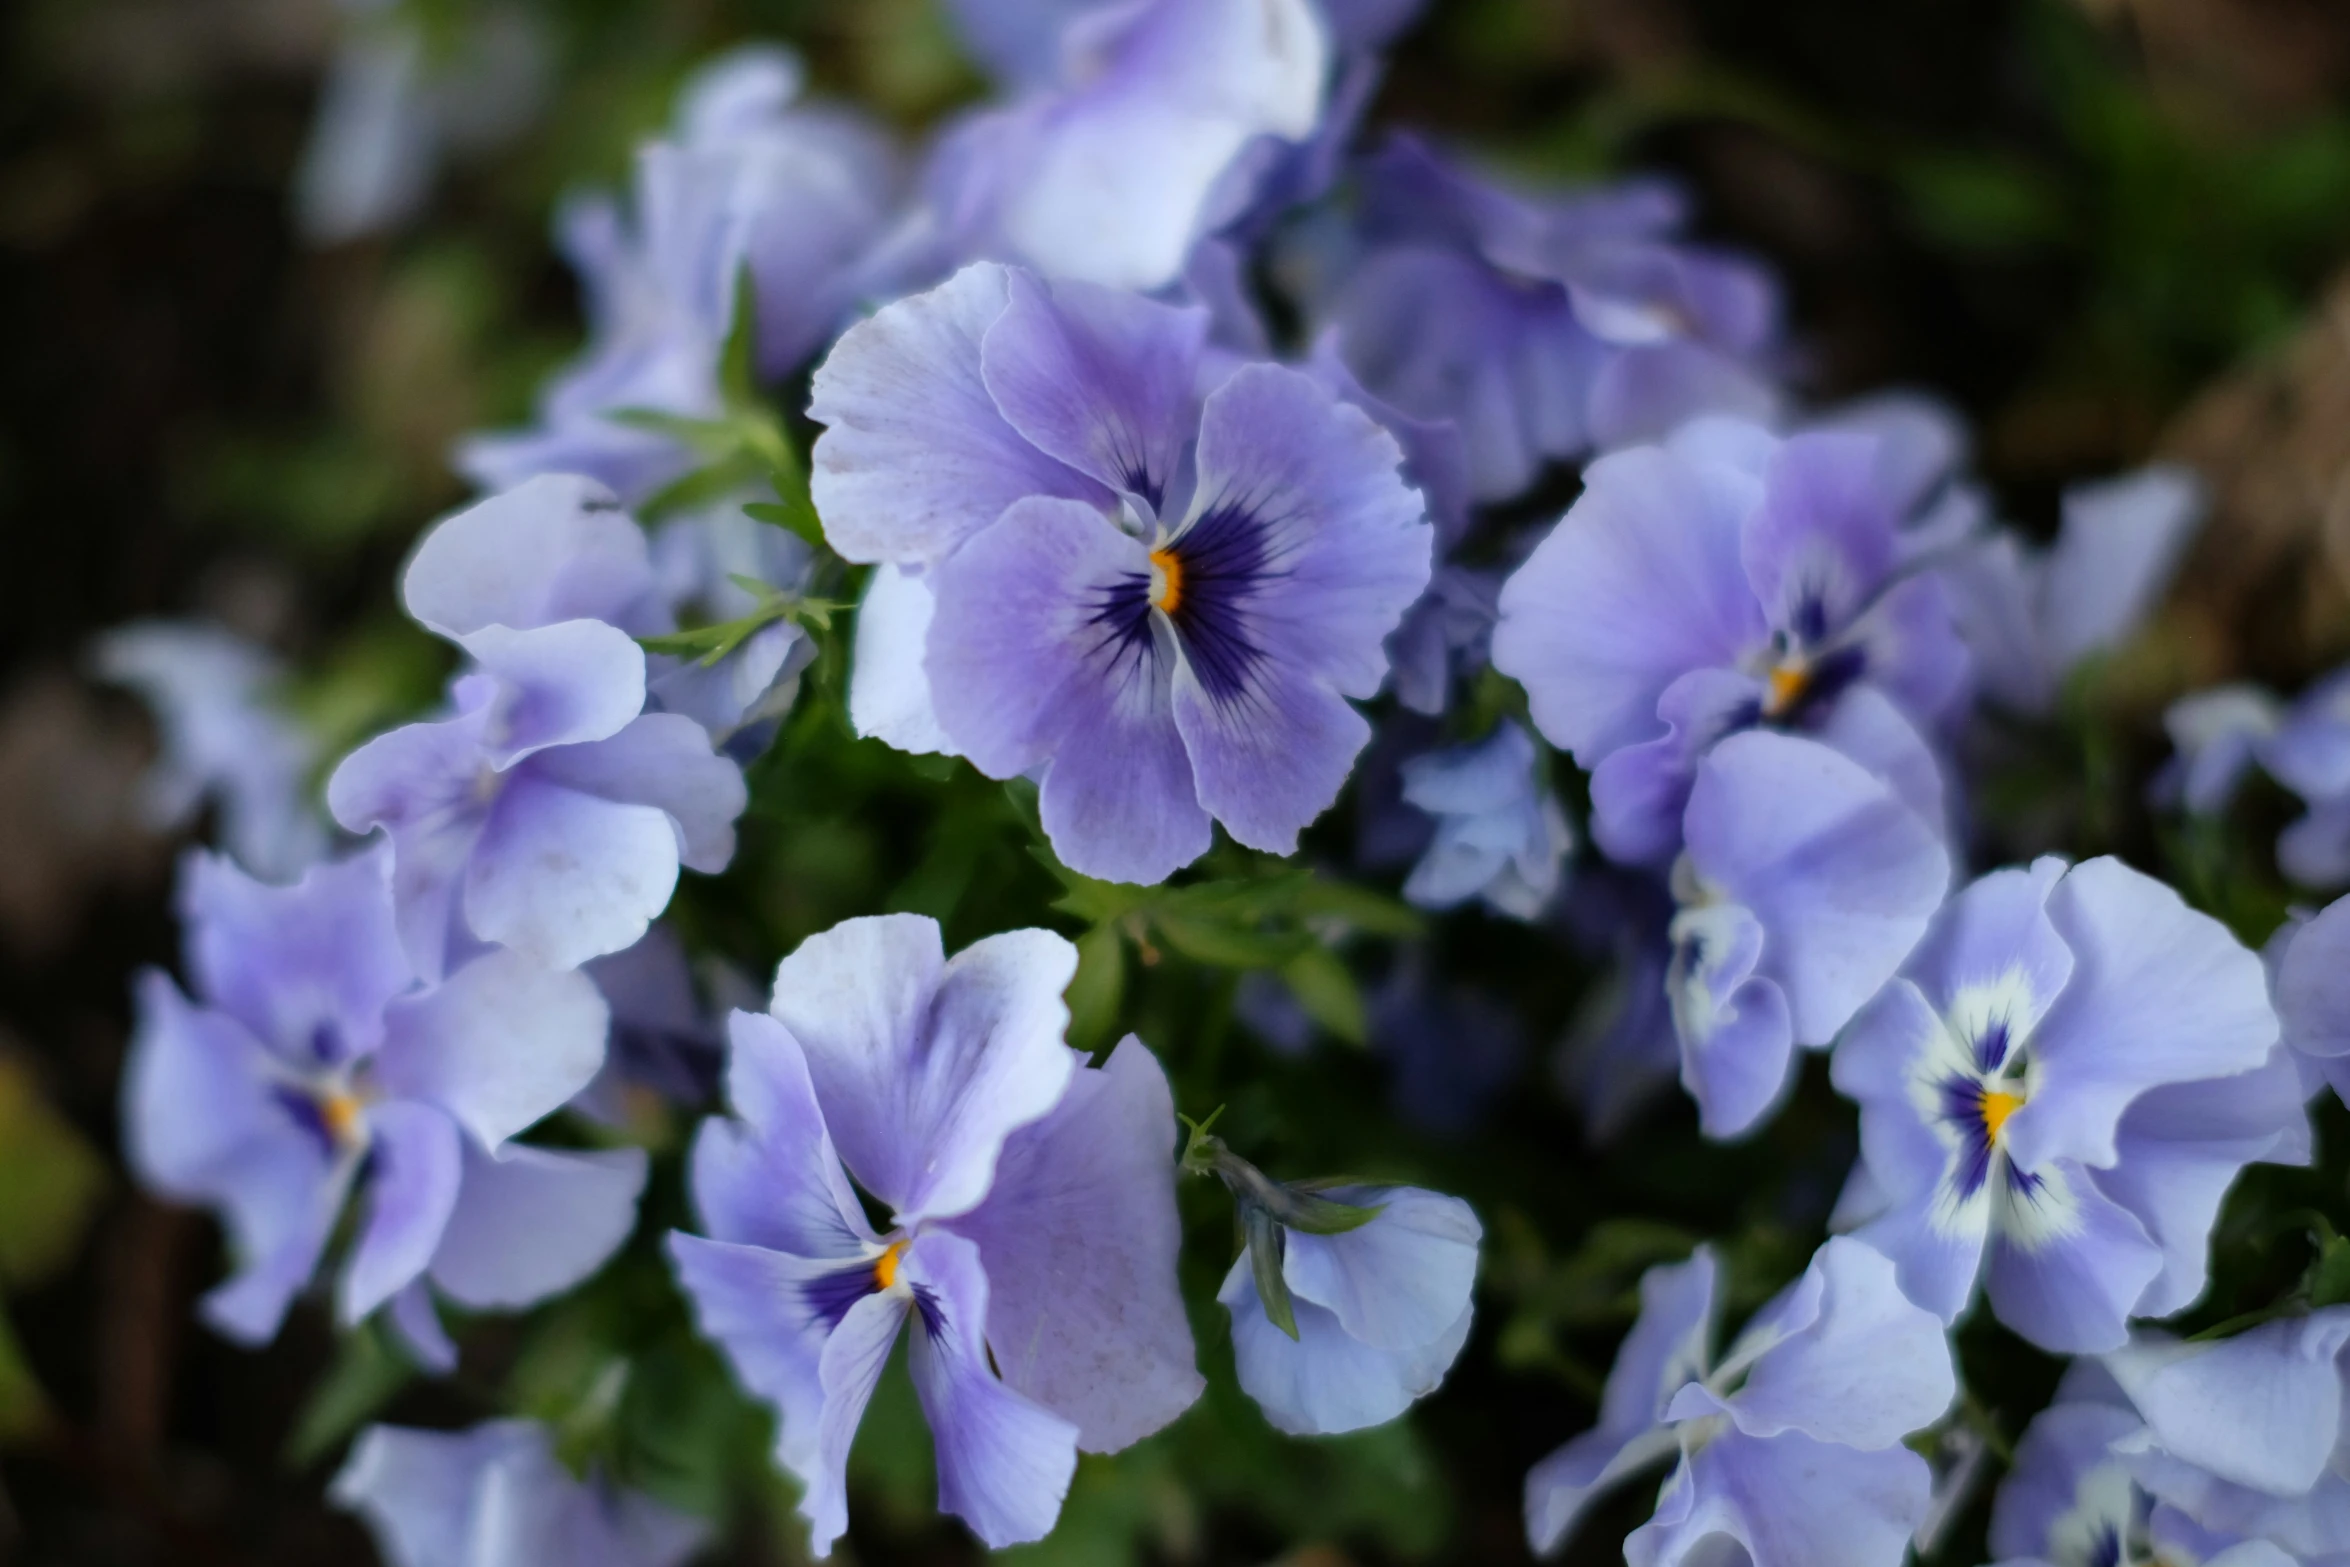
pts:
[1202, 580]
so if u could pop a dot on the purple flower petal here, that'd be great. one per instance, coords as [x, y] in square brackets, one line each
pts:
[1327, 1381]
[1790, 1502]
[1399, 1282]
[772, 1179]
[2261, 1409]
[533, 1222]
[562, 876]
[1079, 1238]
[553, 548]
[915, 457]
[664, 760]
[1004, 1463]
[889, 691]
[2069, 1277]
[411, 1191]
[558, 685]
[497, 1046]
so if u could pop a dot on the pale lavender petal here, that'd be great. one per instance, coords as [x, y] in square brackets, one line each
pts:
[1640, 792]
[925, 1067]
[420, 784]
[1326, 1380]
[1004, 1463]
[664, 760]
[1272, 758]
[889, 692]
[1398, 1282]
[2217, 735]
[1790, 1502]
[196, 1094]
[2313, 984]
[306, 968]
[2261, 1409]
[416, 1322]
[2159, 993]
[1638, 584]
[2182, 1146]
[1822, 540]
[1670, 1345]
[1562, 1487]
[1032, 660]
[561, 876]
[1995, 937]
[556, 685]
[533, 1222]
[772, 1179]
[1857, 1363]
[1843, 876]
[1102, 380]
[2114, 556]
[416, 1489]
[2070, 1282]
[498, 1045]
[915, 458]
[553, 548]
[2061, 1450]
[1737, 1039]
[2314, 850]
[414, 1172]
[1869, 727]
[1644, 394]
[2310, 753]
[1079, 1237]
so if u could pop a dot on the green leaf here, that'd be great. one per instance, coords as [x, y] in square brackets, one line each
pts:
[1098, 988]
[1300, 1210]
[50, 1182]
[2329, 1274]
[24, 1409]
[1223, 944]
[1264, 1261]
[365, 1375]
[1327, 991]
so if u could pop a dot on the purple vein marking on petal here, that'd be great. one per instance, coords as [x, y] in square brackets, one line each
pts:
[1227, 558]
[830, 1295]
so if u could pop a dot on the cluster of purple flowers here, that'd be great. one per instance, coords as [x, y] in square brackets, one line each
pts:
[1118, 548]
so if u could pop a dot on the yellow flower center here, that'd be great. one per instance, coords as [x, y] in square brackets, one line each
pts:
[1166, 579]
[1997, 1107]
[340, 1113]
[1787, 682]
[885, 1266]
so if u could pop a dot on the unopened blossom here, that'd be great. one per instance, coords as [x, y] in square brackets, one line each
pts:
[1381, 1311]
[1788, 1447]
[549, 812]
[1158, 600]
[222, 740]
[2031, 617]
[752, 183]
[1031, 1235]
[2310, 755]
[1729, 580]
[497, 1496]
[315, 1065]
[1543, 325]
[1500, 835]
[1805, 883]
[2056, 1094]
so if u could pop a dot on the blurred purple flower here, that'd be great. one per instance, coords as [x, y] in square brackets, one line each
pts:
[2217, 736]
[2057, 1093]
[2310, 978]
[1725, 580]
[1500, 835]
[1450, 1048]
[751, 182]
[2310, 755]
[663, 1040]
[1805, 884]
[496, 1496]
[2031, 617]
[1789, 1446]
[549, 813]
[1544, 326]
[1620, 1049]
[1161, 601]
[1032, 1235]
[221, 739]
[315, 1065]
[1381, 1311]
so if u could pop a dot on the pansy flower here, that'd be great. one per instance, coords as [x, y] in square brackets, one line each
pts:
[314, 1067]
[1159, 601]
[1500, 835]
[2056, 1093]
[1031, 1231]
[1729, 580]
[1788, 1447]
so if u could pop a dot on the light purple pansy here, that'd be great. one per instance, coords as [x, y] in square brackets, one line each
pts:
[1500, 835]
[549, 813]
[2056, 1094]
[222, 740]
[1804, 885]
[2031, 617]
[1155, 126]
[1381, 1311]
[1788, 1447]
[1723, 581]
[2216, 738]
[1160, 601]
[1032, 1236]
[750, 183]
[700, 562]
[1543, 325]
[496, 1496]
[315, 1066]
[2310, 755]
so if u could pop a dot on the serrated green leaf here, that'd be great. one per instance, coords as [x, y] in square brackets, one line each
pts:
[1328, 992]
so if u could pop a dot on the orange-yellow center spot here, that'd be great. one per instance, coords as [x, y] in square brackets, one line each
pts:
[885, 1266]
[1787, 682]
[340, 1112]
[1166, 579]
[1997, 1107]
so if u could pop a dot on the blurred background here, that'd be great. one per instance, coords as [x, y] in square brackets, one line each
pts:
[2104, 229]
